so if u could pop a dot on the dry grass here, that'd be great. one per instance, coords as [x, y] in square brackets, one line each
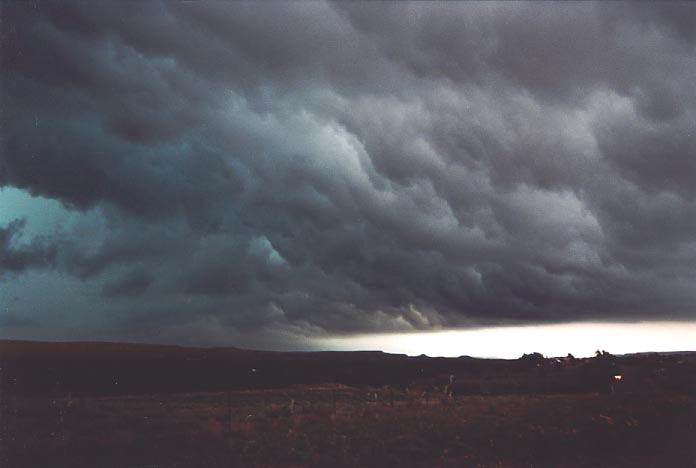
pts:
[339, 426]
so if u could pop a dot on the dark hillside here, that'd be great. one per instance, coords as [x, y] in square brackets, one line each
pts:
[30, 368]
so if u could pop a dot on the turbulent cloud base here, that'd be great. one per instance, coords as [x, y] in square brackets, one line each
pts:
[261, 172]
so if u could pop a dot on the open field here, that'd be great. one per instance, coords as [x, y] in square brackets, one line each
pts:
[490, 421]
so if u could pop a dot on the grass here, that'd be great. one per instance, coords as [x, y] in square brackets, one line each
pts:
[339, 426]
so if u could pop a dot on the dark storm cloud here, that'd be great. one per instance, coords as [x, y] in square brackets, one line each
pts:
[134, 282]
[313, 167]
[16, 257]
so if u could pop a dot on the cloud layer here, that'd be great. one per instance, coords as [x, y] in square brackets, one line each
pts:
[313, 168]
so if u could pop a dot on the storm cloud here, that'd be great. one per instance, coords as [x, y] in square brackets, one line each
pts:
[17, 258]
[302, 169]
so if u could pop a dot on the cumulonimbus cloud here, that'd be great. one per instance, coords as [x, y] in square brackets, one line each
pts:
[326, 167]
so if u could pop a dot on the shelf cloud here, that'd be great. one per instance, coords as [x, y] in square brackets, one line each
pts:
[264, 173]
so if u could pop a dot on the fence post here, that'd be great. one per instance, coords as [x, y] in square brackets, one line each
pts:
[229, 412]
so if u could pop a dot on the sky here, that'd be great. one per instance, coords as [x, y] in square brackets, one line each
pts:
[294, 175]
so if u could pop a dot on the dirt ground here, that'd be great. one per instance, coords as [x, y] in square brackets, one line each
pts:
[336, 425]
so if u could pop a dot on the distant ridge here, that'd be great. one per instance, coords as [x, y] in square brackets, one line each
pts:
[111, 368]
[661, 353]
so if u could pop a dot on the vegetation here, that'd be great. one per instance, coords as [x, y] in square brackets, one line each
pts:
[502, 414]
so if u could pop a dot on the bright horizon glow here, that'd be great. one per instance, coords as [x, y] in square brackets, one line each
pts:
[581, 339]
